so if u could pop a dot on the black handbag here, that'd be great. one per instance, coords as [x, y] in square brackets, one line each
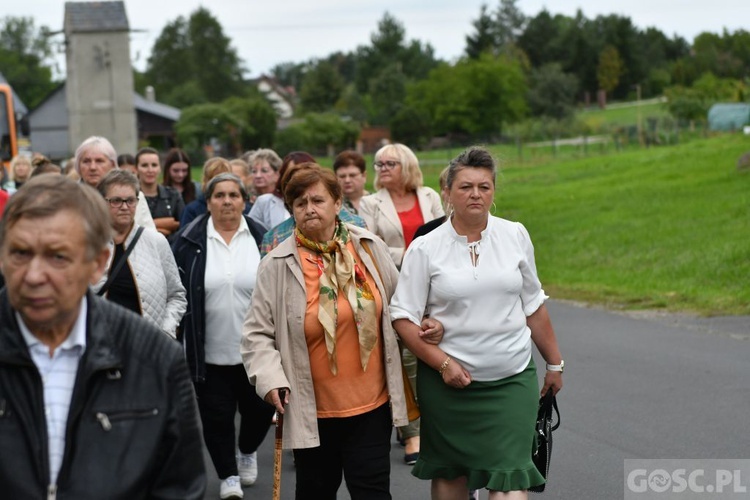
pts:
[542, 450]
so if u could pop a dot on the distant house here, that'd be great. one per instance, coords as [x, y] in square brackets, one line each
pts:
[282, 98]
[729, 116]
[50, 133]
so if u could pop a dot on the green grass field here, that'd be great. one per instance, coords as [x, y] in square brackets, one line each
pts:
[665, 227]
[657, 228]
[624, 116]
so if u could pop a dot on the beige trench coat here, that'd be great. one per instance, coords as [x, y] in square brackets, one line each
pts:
[274, 348]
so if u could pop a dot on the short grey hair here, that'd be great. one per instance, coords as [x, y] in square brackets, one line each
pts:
[269, 155]
[47, 195]
[211, 186]
[98, 143]
[118, 177]
[473, 157]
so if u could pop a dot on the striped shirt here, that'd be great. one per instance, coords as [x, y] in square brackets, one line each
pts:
[58, 373]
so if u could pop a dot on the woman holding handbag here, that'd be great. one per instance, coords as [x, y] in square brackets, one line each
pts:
[478, 390]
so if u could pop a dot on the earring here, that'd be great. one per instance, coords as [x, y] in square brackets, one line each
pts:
[493, 209]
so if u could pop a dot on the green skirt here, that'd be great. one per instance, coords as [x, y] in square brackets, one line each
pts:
[484, 432]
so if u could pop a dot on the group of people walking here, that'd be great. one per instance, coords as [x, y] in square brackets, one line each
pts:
[291, 289]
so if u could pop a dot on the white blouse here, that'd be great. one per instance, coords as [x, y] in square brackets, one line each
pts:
[269, 211]
[483, 308]
[229, 283]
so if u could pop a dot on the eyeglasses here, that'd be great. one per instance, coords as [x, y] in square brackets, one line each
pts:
[386, 165]
[117, 202]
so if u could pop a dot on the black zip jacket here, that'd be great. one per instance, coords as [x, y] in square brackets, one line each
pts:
[132, 431]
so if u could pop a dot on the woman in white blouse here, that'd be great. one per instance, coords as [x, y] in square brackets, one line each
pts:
[218, 256]
[478, 391]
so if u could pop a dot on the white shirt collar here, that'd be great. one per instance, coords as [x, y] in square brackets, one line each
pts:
[211, 231]
[464, 239]
[77, 335]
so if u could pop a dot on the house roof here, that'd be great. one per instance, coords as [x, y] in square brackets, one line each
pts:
[155, 108]
[95, 17]
[140, 103]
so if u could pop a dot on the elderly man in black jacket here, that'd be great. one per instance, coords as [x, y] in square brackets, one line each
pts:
[94, 401]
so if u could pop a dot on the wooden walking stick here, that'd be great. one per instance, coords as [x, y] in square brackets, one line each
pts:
[277, 449]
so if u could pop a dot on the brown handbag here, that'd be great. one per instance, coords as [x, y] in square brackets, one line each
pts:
[412, 407]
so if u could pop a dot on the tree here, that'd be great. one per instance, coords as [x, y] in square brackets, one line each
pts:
[25, 58]
[474, 97]
[692, 103]
[579, 54]
[509, 23]
[353, 105]
[201, 124]
[610, 69]
[329, 132]
[483, 38]
[541, 39]
[553, 92]
[237, 124]
[321, 88]
[387, 94]
[389, 48]
[411, 126]
[289, 74]
[318, 133]
[192, 61]
[256, 121]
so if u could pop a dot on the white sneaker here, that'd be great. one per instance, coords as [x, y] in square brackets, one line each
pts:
[230, 488]
[247, 464]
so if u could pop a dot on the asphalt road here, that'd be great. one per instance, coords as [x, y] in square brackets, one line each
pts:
[637, 386]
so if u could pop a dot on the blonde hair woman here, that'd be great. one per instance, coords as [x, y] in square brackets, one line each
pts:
[401, 205]
[402, 202]
[20, 170]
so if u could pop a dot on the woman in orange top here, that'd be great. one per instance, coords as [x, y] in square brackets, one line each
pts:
[319, 327]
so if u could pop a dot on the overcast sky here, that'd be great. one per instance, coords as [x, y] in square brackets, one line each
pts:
[268, 32]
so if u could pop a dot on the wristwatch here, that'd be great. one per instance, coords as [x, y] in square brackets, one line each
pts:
[556, 368]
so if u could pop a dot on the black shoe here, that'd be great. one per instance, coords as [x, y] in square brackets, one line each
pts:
[411, 458]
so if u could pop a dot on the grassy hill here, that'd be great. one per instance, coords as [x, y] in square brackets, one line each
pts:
[663, 227]
[623, 115]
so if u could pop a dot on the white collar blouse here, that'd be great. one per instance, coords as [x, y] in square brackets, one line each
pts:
[482, 307]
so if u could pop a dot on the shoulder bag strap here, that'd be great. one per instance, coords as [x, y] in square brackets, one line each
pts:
[121, 262]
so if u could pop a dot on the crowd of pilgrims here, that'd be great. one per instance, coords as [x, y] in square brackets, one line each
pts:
[265, 257]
